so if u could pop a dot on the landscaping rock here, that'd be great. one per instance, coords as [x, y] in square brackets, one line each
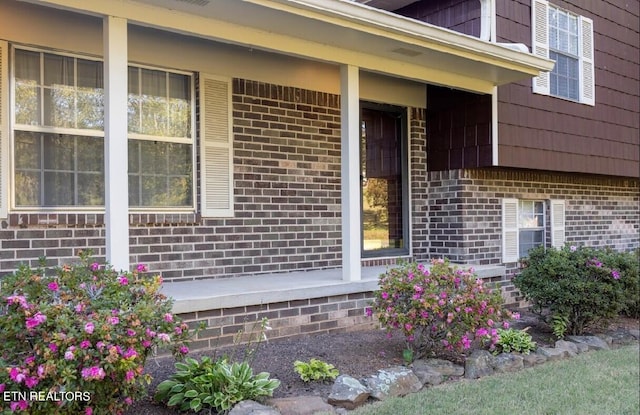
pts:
[593, 342]
[635, 333]
[426, 374]
[533, 359]
[348, 392]
[479, 364]
[553, 354]
[622, 337]
[395, 381]
[444, 367]
[252, 408]
[302, 405]
[507, 362]
[571, 347]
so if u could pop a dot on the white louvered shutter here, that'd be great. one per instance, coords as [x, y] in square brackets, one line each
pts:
[216, 147]
[540, 42]
[4, 129]
[587, 69]
[557, 223]
[510, 242]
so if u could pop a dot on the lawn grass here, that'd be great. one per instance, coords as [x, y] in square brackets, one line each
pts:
[602, 383]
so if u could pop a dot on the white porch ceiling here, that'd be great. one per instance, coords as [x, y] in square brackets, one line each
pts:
[333, 31]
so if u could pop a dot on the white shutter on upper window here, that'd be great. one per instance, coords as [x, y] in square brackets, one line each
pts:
[510, 242]
[216, 147]
[557, 223]
[587, 68]
[540, 42]
[4, 129]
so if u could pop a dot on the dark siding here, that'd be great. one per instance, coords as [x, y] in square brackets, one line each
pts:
[458, 129]
[546, 133]
[460, 15]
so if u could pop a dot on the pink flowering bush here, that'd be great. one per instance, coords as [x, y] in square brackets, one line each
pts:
[75, 339]
[438, 308]
[580, 285]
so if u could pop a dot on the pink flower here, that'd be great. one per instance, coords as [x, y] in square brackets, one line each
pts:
[131, 332]
[88, 411]
[79, 307]
[481, 332]
[505, 324]
[36, 320]
[408, 327]
[16, 375]
[130, 353]
[466, 343]
[515, 316]
[69, 354]
[424, 314]
[367, 311]
[385, 295]
[113, 320]
[89, 327]
[573, 248]
[94, 267]
[615, 274]
[168, 317]
[184, 349]
[53, 286]
[123, 280]
[128, 400]
[18, 299]
[490, 323]
[164, 337]
[2, 387]
[21, 405]
[93, 373]
[85, 344]
[53, 347]
[129, 375]
[141, 268]
[31, 382]
[146, 344]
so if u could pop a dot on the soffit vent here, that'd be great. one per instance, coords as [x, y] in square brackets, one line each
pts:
[195, 2]
[407, 52]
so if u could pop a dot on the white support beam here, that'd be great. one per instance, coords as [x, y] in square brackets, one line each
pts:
[115, 142]
[350, 171]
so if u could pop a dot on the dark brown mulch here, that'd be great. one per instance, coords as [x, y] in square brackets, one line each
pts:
[358, 354]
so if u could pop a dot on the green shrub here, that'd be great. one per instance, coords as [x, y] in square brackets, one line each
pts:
[80, 335]
[511, 340]
[315, 369]
[213, 384]
[585, 285]
[438, 309]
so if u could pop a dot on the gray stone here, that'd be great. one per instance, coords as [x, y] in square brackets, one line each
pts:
[252, 408]
[478, 365]
[426, 374]
[301, 405]
[533, 359]
[571, 347]
[394, 381]
[348, 392]
[553, 354]
[593, 342]
[607, 338]
[635, 333]
[507, 362]
[444, 367]
[622, 337]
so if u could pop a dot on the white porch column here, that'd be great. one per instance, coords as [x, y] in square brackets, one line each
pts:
[115, 142]
[350, 171]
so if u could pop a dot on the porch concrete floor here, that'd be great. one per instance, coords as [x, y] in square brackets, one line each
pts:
[212, 294]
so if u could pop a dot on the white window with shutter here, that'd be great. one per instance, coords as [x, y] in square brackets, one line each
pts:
[4, 129]
[523, 227]
[567, 39]
[216, 147]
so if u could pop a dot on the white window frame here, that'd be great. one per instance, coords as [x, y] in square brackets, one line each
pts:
[541, 47]
[12, 127]
[512, 226]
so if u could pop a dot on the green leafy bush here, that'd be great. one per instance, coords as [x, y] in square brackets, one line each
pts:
[438, 309]
[215, 384]
[511, 340]
[315, 369]
[75, 339]
[583, 284]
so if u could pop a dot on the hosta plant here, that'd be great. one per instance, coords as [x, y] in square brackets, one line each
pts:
[75, 339]
[216, 384]
[510, 340]
[315, 369]
[438, 308]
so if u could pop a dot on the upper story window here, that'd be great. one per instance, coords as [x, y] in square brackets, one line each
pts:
[58, 134]
[567, 39]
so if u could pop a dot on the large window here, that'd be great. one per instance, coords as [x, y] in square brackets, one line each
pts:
[59, 134]
[58, 130]
[566, 38]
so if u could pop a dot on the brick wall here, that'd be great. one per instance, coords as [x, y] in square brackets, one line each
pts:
[465, 212]
[331, 314]
[287, 200]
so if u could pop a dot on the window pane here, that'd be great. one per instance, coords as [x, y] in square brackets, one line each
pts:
[164, 178]
[27, 99]
[58, 189]
[153, 102]
[90, 74]
[27, 151]
[59, 152]
[90, 189]
[58, 70]
[90, 108]
[90, 154]
[27, 188]
[529, 239]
